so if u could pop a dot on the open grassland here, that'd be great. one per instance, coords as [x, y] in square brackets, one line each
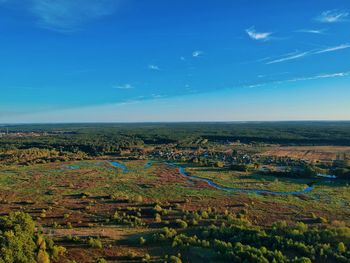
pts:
[310, 153]
[95, 209]
[69, 185]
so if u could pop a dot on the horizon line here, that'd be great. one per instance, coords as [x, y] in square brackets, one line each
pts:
[168, 122]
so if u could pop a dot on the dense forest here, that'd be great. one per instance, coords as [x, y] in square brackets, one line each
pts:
[100, 139]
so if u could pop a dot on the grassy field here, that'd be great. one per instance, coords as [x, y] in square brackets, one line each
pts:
[57, 182]
[76, 200]
[310, 153]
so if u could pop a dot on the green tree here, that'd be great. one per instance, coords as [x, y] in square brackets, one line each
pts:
[341, 247]
[17, 239]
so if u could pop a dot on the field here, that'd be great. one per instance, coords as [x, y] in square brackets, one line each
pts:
[270, 192]
[310, 153]
[77, 200]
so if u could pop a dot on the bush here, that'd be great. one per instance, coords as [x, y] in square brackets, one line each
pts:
[101, 260]
[95, 243]
[57, 252]
[219, 164]
[157, 208]
[302, 260]
[131, 255]
[43, 257]
[181, 223]
[158, 218]
[341, 247]
[204, 214]
[146, 258]
[175, 259]
[142, 240]
[139, 199]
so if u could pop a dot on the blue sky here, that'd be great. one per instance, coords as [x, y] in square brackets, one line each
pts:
[174, 60]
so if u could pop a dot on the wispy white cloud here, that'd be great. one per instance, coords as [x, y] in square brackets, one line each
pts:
[66, 15]
[289, 57]
[157, 96]
[253, 34]
[297, 79]
[333, 16]
[298, 55]
[127, 102]
[125, 86]
[197, 53]
[311, 31]
[320, 76]
[331, 49]
[270, 75]
[153, 67]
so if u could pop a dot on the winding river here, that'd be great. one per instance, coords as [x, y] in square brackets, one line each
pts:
[210, 182]
[126, 170]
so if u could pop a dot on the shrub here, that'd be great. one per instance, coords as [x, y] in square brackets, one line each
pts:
[131, 255]
[175, 259]
[43, 257]
[101, 260]
[43, 215]
[341, 247]
[181, 223]
[321, 220]
[157, 208]
[204, 214]
[57, 252]
[146, 258]
[142, 240]
[219, 164]
[95, 243]
[194, 222]
[139, 199]
[302, 260]
[158, 218]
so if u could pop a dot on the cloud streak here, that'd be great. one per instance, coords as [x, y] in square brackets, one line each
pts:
[153, 67]
[66, 15]
[315, 77]
[197, 53]
[125, 86]
[311, 31]
[332, 16]
[253, 34]
[321, 76]
[287, 58]
[299, 55]
[332, 49]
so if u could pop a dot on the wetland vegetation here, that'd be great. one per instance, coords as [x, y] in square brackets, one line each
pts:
[175, 192]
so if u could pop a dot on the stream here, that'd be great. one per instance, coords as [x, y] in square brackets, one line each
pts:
[210, 182]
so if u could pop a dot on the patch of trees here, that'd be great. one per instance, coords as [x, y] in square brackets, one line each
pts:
[236, 240]
[19, 243]
[102, 139]
[35, 156]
